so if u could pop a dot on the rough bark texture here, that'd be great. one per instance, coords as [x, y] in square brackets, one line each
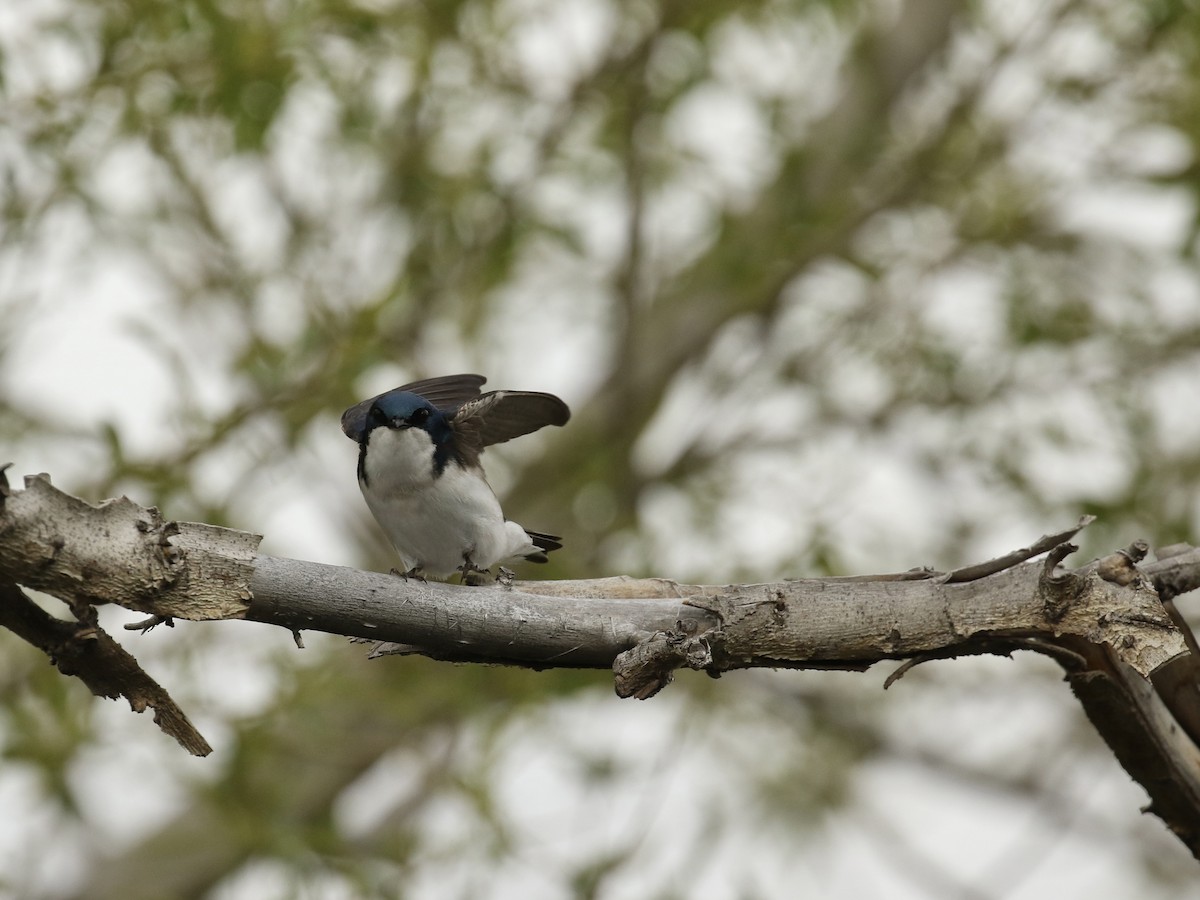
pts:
[119, 552]
[1111, 624]
[83, 649]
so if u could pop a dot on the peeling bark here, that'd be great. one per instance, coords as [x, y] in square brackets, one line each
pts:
[119, 552]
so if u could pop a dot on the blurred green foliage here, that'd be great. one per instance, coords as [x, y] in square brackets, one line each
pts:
[832, 286]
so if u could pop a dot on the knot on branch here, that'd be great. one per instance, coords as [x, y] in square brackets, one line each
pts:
[1120, 568]
[1059, 590]
[647, 668]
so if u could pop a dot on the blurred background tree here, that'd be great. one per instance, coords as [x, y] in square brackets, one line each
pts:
[832, 287]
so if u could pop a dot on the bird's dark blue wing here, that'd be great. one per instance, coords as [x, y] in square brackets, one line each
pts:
[446, 392]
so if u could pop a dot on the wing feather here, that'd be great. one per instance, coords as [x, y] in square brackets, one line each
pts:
[499, 416]
[446, 392]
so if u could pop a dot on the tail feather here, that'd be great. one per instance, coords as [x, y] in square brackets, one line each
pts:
[545, 543]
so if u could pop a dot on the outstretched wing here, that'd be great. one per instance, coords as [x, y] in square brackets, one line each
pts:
[499, 416]
[446, 392]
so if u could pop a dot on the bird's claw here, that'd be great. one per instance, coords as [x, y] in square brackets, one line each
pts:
[414, 573]
[471, 573]
[506, 577]
[475, 577]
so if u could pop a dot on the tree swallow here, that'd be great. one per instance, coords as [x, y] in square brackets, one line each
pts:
[419, 471]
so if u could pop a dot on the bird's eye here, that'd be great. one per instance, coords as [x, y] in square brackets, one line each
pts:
[377, 415]
[419, 416]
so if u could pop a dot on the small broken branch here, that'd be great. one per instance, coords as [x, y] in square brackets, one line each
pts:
[93, 657]
[1044, 544]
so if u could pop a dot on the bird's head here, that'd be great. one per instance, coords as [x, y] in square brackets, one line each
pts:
[409, 437]
[398, 410]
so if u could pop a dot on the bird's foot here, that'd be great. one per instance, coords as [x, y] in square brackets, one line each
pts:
[414, 573]
[506, 576]
[475, 577]
[471, 573]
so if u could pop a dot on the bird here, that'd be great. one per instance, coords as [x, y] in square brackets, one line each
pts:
[418, 468]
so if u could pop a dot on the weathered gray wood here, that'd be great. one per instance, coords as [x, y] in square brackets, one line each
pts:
[1127, 658]
[812, 621]
[120, 552]
[488, 622]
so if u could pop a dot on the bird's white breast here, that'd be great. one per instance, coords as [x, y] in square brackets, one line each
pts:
[433, 520]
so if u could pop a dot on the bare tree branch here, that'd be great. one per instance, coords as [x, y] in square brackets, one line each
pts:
[1127, 659]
